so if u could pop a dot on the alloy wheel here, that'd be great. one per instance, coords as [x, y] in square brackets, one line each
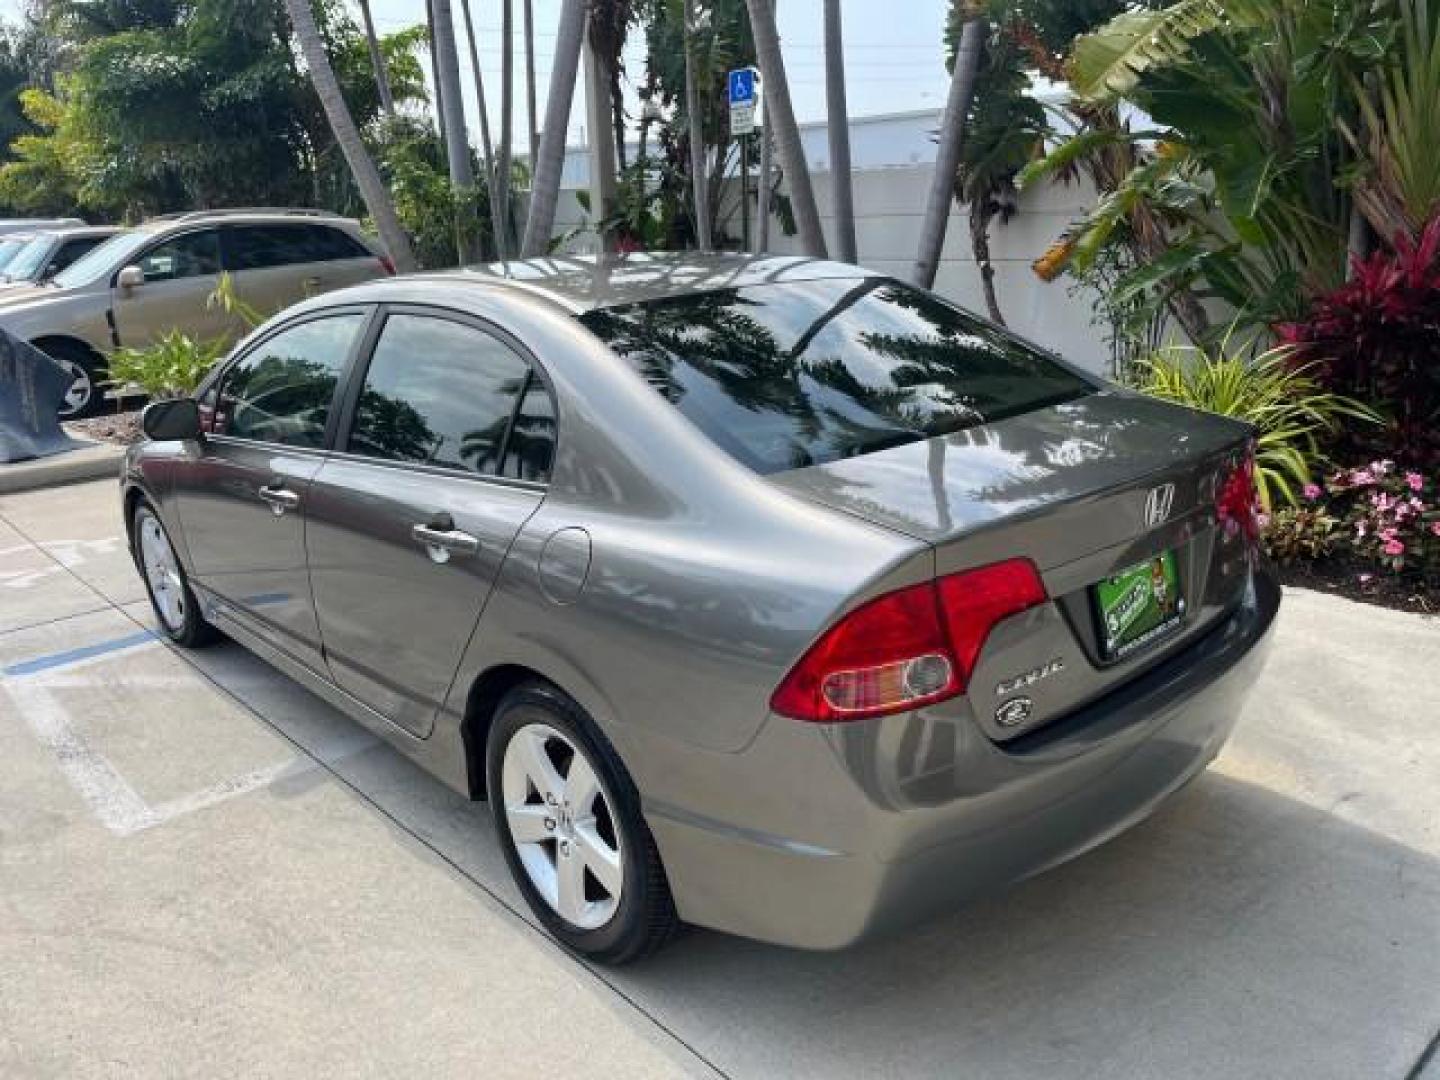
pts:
[162, 572]
[562, 823]
[78, 396]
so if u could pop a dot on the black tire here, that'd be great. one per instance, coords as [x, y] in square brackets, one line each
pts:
[77, 356]
[644, 918]
[191, 631]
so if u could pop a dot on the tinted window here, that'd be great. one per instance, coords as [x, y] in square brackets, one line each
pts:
[254, 247]
[437, 392]
[188, 255]
[325, 244]
[281, 392]
[789, 375]
[72, 250]
[531, 448]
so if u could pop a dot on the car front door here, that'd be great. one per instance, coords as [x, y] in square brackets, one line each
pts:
[243, 504]
[181, 272]
[409, 521]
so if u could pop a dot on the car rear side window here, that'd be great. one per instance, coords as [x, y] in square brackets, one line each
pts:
[326, 244]
[530, 451]
[282, 391]
[439, 392]
[255, 247]
[793, 374]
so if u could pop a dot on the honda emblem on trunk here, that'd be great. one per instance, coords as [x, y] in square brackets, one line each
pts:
[1157, 505]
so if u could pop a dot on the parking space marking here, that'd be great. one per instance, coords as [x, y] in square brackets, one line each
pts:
[112, 800]
[111, 797]
[69, 657]
[64, 556]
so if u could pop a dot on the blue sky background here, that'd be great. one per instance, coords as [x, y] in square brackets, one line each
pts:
[893, 53]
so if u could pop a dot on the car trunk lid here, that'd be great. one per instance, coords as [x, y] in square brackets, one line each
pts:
[1086, 489]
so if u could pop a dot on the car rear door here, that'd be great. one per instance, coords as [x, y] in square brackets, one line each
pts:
[242, 503]
[338, 259]
[409, 520]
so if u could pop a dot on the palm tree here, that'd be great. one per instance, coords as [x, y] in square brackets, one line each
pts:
[531, 120]
[377, 61]
[781, 114]
[507, 118]
[697, 136]
[947, 155]
[550, 159]
[435, 71]
[457, 142]
[347, 136]
[486, 147]
[837, 122]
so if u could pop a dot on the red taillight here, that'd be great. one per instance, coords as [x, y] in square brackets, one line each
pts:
[387, 264]
[908, 648]
[1237, 504]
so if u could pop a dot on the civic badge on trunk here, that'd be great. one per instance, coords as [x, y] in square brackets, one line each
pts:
[1157, 505]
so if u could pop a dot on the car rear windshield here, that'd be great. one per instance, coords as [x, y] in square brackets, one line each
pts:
[788, 375]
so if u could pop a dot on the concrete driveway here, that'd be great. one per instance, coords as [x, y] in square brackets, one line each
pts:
[204, 870]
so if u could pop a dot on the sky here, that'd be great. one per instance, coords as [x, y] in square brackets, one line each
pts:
[894, 63]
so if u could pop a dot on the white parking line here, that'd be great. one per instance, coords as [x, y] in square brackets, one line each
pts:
[111, 798]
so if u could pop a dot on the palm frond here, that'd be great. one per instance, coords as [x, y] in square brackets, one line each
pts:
[1108, 63]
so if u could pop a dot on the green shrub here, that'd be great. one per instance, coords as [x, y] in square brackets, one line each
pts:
[1302, 534]
[171, 368]
[1287, 406]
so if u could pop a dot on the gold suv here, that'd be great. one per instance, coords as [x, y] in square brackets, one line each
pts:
[150, 280]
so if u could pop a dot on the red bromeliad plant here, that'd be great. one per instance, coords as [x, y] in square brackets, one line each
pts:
[1377, 338]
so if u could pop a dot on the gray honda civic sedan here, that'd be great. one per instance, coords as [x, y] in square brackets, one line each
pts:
[765, 594]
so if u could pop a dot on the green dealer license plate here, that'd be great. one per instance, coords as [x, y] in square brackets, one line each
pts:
[1139, 606]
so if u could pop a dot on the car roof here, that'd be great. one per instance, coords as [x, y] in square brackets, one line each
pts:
[279, 216]
[72, 232]
[584, 282]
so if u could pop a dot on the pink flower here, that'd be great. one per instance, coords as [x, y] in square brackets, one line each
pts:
[1415, 480]
[1360, 530]
[1365, 579]
[1394, 547]
[1382, 467]
[1311, 492]
[1435, 527]
[1360, 477]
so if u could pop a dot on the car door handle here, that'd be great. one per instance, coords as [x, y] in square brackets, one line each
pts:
[439, 539]
[279, 498]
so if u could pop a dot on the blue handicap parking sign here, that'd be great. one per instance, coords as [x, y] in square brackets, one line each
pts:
[742, 86]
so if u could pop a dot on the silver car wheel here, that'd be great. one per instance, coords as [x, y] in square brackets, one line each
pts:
[162, 572]
[78, 396]
[562, 823]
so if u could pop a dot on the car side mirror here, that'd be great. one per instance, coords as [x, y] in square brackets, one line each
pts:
[130, 277]
[169, 420]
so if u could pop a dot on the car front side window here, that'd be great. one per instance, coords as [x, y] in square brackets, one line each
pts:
[189, 255]
[440, 393]
[282, 391]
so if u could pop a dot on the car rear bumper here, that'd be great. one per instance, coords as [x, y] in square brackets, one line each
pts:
[818, 836]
